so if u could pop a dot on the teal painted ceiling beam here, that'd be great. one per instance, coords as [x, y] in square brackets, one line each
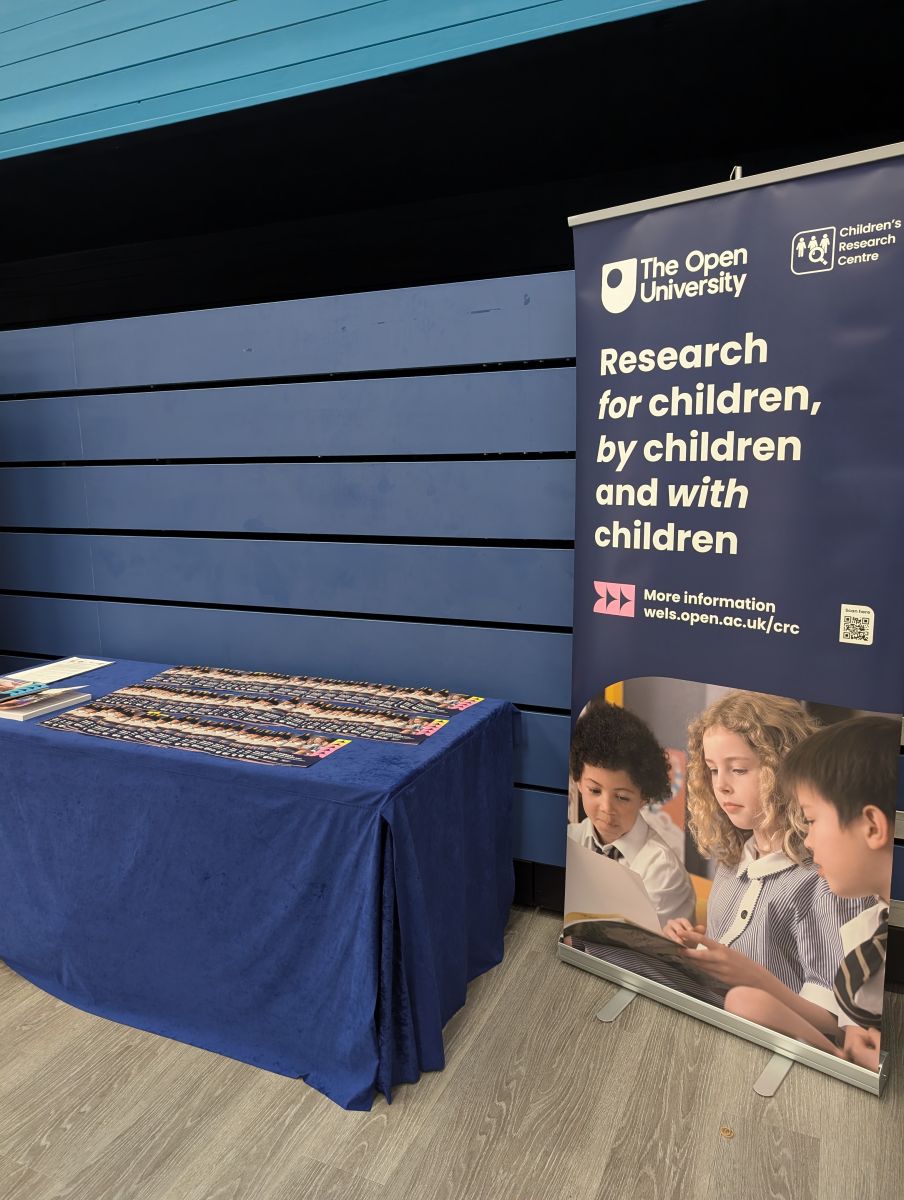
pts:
[76, 70]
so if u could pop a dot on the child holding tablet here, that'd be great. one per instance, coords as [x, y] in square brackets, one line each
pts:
[770, 915]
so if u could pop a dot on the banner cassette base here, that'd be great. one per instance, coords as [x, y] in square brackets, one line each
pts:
[778, 1043]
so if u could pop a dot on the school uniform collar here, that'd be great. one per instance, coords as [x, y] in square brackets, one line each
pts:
[630, 843]
[862, 927]
[758, 866]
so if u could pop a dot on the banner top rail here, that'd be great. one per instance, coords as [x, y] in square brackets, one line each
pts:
[735, 185]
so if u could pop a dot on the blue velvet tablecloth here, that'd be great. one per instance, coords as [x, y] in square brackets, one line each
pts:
[321, 922]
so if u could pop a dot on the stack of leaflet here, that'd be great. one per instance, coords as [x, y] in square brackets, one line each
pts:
[20, 700]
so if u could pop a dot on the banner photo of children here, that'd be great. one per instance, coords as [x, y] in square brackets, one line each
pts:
[288, 712]
[737, 847]
[372, 697]
[247, 743]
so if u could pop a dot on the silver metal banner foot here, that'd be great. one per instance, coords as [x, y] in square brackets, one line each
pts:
[616, 1005]
[771, 1079]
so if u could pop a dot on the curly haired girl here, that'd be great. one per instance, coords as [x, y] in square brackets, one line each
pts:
[768, 908]
[769, 727]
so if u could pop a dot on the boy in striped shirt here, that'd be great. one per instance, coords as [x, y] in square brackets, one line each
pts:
[845, 780]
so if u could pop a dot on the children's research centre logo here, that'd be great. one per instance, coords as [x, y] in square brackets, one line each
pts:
[615, 599]
[813, 250]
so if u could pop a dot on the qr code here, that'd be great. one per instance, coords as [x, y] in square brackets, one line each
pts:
[856, 624]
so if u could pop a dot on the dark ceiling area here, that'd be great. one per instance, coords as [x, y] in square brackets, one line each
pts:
[460, 170]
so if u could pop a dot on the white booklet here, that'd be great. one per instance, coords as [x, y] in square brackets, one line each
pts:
[607, 905]
[596, 886]
[64, 668]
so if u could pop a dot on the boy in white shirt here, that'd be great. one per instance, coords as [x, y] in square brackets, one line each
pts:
[619, 768]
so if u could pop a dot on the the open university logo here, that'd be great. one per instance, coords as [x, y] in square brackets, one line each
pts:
[615, 599]
[813, 250]
[619, 286]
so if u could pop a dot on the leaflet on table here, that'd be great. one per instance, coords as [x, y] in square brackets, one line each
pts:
[286, 711]
[65, 668]
[248, 743]
[36, 704]
[374, 697]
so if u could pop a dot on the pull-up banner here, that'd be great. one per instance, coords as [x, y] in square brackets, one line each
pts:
[740, 514]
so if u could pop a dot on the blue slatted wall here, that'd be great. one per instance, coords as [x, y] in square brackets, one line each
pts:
[71, 70]
[378, 485]
[372, 486]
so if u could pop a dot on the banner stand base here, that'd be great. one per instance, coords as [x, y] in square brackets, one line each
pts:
[616, 1005]
[778, 1043]
[773, 1076]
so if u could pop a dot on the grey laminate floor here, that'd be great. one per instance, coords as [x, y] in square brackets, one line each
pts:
[538, 1100]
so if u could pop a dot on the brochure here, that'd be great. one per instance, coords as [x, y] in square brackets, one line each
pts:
[23, 708]
[64, 668]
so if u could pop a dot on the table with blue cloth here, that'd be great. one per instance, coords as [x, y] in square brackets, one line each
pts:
[322, 922]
